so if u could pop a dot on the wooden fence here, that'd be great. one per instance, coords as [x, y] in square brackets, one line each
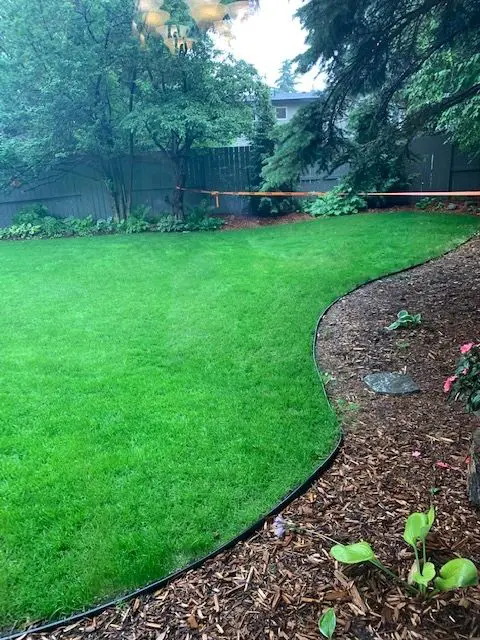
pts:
[78, 191]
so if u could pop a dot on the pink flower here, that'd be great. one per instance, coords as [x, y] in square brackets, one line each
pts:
[416, 454]
[466, 348]
[443, 465]
[447, 385]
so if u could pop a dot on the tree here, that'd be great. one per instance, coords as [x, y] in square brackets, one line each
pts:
[263, 142]
[68, 75]
[263, 139]
[191, 101]
[288, 77]
[371, 50]
[79, 82]
[447, 73]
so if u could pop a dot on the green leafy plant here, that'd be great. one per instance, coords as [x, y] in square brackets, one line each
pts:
[50, 227]
[143, 212]
[22, 231]
[31, 214]
[406, 320]
[455, 574]
[417, 528]
[464, 385]
[358, 553]
[274, 206]
[328, 377]
[106, 226]
[169, 224]
[328, 623]
[207, 224]
[337, 202]
[80, 226]
[135, 225]
[429, 203]
[200, 218]
[265, 207]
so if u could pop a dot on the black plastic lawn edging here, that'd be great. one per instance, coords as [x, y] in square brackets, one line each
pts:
[256, 526]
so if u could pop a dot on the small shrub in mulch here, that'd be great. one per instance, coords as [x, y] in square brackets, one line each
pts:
[464, 385]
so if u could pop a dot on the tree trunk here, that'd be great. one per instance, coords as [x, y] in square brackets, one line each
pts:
[474, 470]
[119, 187]
[180, 182]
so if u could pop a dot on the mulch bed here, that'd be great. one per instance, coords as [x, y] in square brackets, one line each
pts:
[252, 222]
[397, 450]
[234, 222]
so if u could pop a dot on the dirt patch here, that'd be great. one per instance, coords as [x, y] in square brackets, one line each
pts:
[399, 454]
[252, 222]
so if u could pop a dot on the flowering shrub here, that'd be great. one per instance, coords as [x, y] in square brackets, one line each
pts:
[465, 384]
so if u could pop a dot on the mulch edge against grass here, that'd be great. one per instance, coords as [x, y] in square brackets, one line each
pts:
[240, 222]
[371, 350]
[256, 527]
[197, 564]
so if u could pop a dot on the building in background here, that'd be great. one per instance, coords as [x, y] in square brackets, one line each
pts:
[286, 105]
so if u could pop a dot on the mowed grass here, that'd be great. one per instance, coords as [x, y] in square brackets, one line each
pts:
[158, 394]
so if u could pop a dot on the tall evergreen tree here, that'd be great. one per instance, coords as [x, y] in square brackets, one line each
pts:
[288, 78]
[372, 50]
[263, 142]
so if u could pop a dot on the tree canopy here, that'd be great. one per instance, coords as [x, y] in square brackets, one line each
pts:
[77, 81]
[398, 66]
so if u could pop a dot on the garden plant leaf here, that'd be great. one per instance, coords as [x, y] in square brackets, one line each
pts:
[328, 623]
[456, 574]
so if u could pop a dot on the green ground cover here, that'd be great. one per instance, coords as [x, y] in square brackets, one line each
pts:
[157, 392]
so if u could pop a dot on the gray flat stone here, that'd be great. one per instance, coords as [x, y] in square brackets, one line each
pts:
[392, 384]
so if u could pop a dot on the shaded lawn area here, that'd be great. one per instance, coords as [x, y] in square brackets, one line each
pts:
[158, 393]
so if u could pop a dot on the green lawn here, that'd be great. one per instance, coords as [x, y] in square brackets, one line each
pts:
[157, 392]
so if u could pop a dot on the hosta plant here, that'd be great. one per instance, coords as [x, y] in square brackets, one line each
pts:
[464, 385]
[424, 577]
[430, 203]
[340, 201]
[328, 623]
[405, 320]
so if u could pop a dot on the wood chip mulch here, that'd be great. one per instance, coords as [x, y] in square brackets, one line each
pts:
[253, 222]
[235, 222]
[399, 454]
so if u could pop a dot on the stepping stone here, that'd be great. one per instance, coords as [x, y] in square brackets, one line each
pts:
[392, 384]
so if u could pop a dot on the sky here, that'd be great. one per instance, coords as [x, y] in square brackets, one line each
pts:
[270, 37]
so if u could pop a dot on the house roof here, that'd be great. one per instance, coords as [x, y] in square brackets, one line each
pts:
[283, 96]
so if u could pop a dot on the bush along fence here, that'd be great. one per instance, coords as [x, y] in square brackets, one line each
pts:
[35, 221]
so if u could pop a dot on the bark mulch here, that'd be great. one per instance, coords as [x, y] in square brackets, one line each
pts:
[234, 222]
[399, 454]
[252, 222]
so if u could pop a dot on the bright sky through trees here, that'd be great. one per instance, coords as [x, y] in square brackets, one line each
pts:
[272, 36]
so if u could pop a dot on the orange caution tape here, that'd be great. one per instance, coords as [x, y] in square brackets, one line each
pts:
[307, 194]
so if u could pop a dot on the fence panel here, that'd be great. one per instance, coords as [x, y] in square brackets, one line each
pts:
[79, 191]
